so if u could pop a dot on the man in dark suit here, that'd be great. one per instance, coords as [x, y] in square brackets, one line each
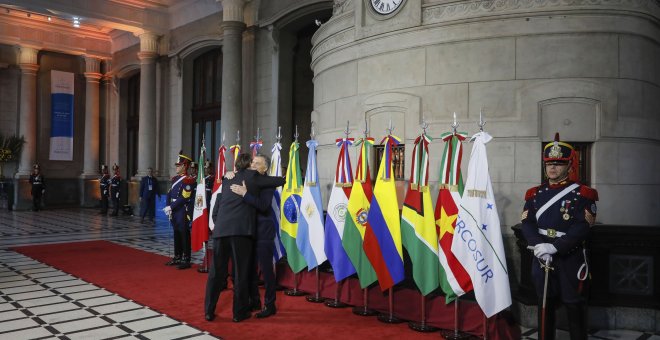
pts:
[234, 232]
[148, 192]
[265, 244]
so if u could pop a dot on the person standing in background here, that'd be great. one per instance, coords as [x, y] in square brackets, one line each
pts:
[148, 192]
[115, 187]
[179, 210]
[38, 187]
[104, 185]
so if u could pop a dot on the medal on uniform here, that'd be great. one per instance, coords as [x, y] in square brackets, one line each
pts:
[562, 209]
[566, 216]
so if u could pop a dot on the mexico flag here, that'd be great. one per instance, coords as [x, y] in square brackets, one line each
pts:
[200, 224]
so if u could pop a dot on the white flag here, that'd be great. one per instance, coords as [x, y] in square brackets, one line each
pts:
[477, 240]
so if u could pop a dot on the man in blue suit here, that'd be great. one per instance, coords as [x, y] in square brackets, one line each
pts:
[179, 210]
[148, 192]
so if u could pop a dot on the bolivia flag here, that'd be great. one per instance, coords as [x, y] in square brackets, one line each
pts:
[200, 224]
[337, 213]
[382, 240]
[291, 210]
[418, 231]
[356, 219]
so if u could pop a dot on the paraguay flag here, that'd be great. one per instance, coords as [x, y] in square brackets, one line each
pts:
[200, 224]
[290, 212]
[418, 231]
[356, 221]
[337, 213]
[275, 169]
[382, 240]
[311, 238]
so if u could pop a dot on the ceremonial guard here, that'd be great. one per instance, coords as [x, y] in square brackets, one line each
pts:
[179, 210]
[38, 187]
[193, 171]
[115, 186]
[208, 181]
[556, 223]
[104, 184]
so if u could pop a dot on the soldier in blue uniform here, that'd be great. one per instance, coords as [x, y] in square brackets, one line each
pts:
[208, 181]
[556, 222]
[148, 192]
[104, 185]
[115, 187]
[179, 210]
[38, 187]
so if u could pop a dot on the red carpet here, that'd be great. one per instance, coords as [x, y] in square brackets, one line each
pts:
[142, 277]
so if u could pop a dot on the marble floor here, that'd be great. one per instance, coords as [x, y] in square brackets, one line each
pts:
[41, 302]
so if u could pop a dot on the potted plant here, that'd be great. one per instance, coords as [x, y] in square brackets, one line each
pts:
[10, 150]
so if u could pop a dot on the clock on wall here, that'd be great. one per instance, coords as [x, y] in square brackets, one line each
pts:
[385, 7]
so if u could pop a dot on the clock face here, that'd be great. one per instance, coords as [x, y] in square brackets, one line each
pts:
[385, 7]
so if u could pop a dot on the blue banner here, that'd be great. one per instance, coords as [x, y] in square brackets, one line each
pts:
[61, 123]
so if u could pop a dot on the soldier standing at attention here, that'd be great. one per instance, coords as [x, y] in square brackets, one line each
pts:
[556, 222]
[104, 184]
[38, 187]
[115, 183]
[208, 181]
[179, 210]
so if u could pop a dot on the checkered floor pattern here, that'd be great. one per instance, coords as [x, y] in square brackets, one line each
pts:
[41, 302]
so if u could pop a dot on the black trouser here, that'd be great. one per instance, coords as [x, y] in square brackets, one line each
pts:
[239, 248]
[36, 199]
[263, 256]
[148, 206]
[182, 242]
[115, 205]
[104, 204]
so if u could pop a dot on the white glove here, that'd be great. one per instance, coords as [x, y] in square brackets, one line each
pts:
[546, 258]
[168, 211]
[544, 249]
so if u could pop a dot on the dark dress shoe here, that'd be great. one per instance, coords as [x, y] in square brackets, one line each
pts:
[266, 312]
[209, 317]
[184, 265]
[174, 261]
[240, 318]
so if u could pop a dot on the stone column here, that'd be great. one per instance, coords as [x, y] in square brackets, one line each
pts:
[147, 140]
[232, 67]
[89, 189]
[92, 133]
[27, 126]
[28, 109]
[249, 124]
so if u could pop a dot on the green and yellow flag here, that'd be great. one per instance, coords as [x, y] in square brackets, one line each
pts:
[290, 213]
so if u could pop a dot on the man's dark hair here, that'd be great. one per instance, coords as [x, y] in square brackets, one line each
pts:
[243, 161]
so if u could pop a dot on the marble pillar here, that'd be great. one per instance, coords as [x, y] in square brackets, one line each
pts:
[232, 67]
[147, 122]
[27, 62]
[89, 190]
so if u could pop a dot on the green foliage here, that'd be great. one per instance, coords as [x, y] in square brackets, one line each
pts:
[10, 147]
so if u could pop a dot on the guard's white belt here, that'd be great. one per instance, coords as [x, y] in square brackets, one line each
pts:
[551, 233]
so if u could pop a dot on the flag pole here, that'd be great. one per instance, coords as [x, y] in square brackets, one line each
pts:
[295, 291]
[336, 303]
[316, 298]
[389, 317]
[422, 326]
[455, 335]
[364, 310]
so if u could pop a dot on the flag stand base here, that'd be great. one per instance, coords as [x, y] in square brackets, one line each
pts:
[202, 270]
[422, 327]
[316, 298]
[453, 335]
[294, 292]
[335, 304]
[364, 311]
[388, 318]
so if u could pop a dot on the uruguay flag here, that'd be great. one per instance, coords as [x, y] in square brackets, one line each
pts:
[337, 214]
[311, 238]
[382, 239]
[275, 169]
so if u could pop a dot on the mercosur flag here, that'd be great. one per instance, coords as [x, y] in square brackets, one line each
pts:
[478, 238]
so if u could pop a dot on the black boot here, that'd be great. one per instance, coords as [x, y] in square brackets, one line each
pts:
[174, 261]
[185, 263]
